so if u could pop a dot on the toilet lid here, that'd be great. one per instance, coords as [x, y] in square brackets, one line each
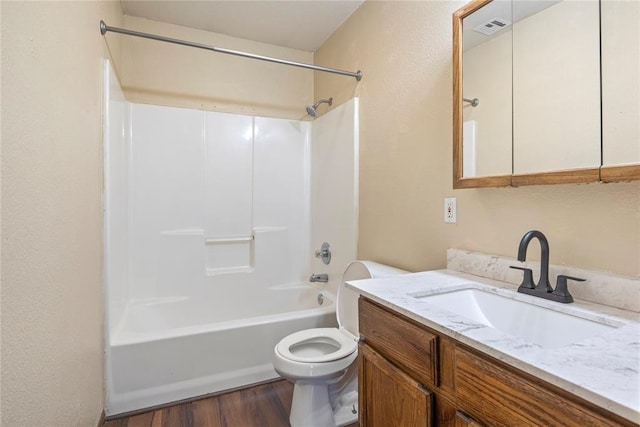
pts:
[343, 342]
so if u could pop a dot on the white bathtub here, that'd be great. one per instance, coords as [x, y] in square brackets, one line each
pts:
[176, 348]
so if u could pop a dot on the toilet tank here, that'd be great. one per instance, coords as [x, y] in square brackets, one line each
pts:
[347, 300]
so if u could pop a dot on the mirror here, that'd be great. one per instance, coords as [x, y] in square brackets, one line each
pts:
[487, 91]
[556, 85]
[620, 83]
[530, 106]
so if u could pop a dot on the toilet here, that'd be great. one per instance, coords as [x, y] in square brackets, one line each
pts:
[320, 361]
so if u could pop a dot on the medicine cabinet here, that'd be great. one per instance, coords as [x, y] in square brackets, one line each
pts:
[546, 92]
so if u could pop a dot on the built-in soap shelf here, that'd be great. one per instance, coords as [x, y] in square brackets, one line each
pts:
[229, 270]
[218, 240]
[264, 249]
[229, 254]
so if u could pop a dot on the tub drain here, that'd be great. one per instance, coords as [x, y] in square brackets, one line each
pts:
[320, 299]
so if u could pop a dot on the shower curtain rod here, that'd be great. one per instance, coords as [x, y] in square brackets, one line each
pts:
[104, 28]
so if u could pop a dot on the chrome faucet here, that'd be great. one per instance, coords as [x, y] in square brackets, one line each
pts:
[543, 288]
[324, 278]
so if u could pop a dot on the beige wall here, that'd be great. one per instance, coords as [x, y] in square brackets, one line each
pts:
[166, 74]
[404, 51]
[52, 314]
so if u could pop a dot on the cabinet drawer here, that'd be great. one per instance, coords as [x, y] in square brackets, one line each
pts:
[401, 341]
[503, 398]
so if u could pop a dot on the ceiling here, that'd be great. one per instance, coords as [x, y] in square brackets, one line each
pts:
[302, 24]
[510, 11]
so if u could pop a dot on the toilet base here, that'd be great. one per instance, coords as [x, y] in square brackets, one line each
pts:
[312, 407]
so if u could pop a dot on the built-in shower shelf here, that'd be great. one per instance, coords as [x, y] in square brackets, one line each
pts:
[229, 254]
[229, 270]
[217, 240]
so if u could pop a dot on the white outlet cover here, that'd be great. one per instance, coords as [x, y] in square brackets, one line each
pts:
[450, 215]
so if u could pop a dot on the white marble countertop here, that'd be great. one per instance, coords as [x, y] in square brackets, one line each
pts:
[604, 370]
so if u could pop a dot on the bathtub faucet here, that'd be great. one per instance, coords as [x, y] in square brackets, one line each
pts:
[324, 278]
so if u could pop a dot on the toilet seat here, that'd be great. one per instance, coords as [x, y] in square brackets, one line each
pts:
[343, 341]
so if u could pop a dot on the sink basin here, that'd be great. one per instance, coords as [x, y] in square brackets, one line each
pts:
[539, 325]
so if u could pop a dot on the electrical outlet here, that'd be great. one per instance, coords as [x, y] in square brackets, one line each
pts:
[450, 210]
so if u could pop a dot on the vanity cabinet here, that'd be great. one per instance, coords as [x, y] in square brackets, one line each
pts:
[411, 375]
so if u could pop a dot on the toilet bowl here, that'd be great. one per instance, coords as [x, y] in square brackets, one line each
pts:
[320, 361]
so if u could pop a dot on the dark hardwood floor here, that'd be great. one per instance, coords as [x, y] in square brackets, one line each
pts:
[265, 405]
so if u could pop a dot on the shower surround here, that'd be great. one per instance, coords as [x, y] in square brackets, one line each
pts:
[211, 222]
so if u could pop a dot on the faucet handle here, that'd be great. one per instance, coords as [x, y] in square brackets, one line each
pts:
[562, 291]
[527, 280]
[324, 253]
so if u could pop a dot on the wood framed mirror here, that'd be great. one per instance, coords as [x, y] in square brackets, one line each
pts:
[535, 101]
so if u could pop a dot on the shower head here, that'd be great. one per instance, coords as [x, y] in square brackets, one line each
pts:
[313, 110]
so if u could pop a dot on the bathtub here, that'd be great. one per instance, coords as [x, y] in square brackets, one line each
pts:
[168, 349]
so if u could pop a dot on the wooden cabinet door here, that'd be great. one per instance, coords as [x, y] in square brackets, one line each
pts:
[388, 396]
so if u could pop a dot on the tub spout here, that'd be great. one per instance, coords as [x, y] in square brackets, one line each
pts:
[324, 278]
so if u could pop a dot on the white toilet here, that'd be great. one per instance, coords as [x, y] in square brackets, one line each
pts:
[321, 361]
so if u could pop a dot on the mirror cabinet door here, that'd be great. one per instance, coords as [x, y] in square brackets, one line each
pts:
[486, 89]
[620, 82]
[556, 85]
